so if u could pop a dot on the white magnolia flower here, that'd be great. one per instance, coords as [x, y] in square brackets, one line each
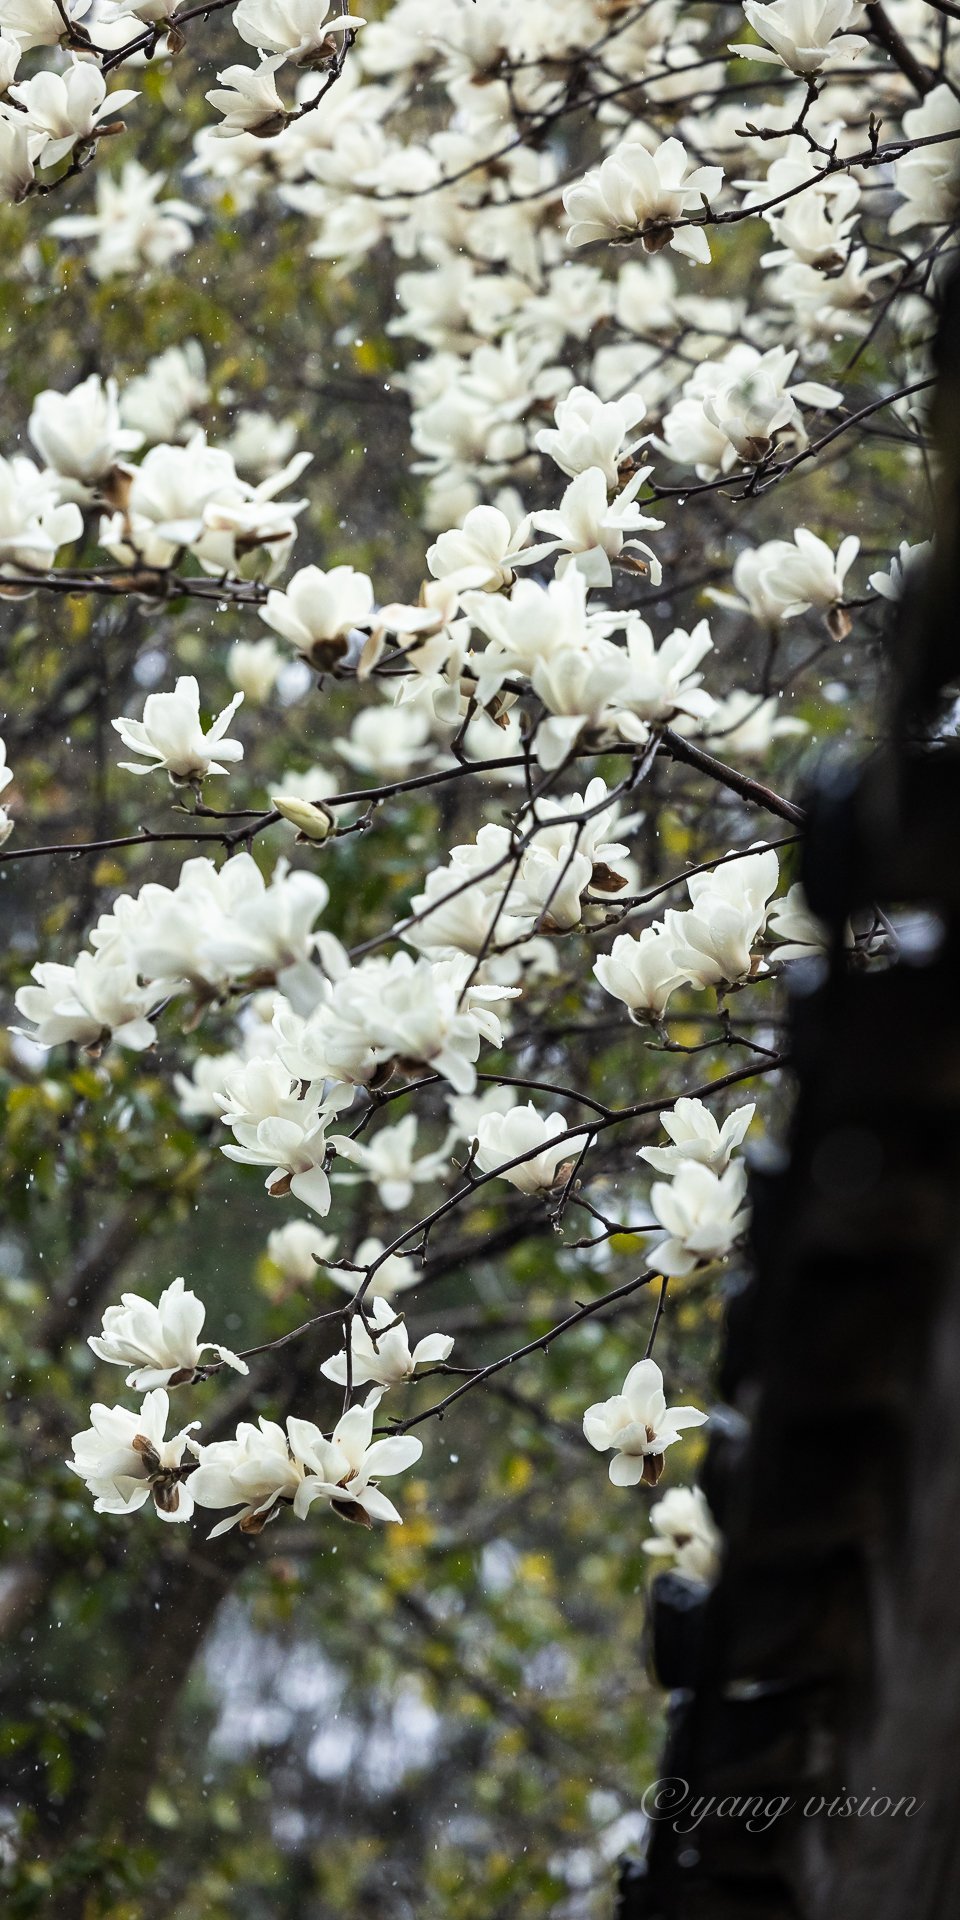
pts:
[253, 667]
[697, 1136]
[161, 1343]
[317, 611]
[124, 1460]
[590, 432]
[160, 402]
[792, 921]
[713, 943]
[265, 1469]
[249, 101]
[299, 1249]
[34, 525]
[738, 408]
[890, 585]
[6, 776]
[744, 726]
[396, 1274]
[812, 575]
[527, 629]
[683, 1530]
[568, 860]
[802, 35]
[593, 530]
[277, 1127]
[456, 917]
[381, 1350]
[482, 553]
[927, 177]
[634, 192]
[10, 51]
[79, 433]
[61, 109]
[200, 1093]
[502, 1136]
[387, 741]
[753, 409]
[260, 446]
[41, 23]
[98, 998]
[171, 736]
[639, 1425]
[292, 27]
[16, 165]
[388, 1158]
[659, 682]
[220, 925]
[641, 971]
[132, 228]
[704, 1213]
[755, 581]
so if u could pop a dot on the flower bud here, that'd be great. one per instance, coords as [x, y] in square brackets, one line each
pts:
[312, 820]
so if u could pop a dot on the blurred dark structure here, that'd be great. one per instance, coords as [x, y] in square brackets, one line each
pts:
[825, 1664]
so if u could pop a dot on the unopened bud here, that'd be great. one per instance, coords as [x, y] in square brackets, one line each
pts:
[311, 818]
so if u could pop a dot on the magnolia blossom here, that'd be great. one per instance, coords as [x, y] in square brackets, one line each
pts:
[79, 433]
[16, 165]
[160, 402]
[501, 1137]
[482, 553]
[6, 776]
[317, 611]
[132, 227]
[527, 629]
[170, 735]
[387, 741]
[389, 1160]
[395, 1273]
[40, 23]
[697, 1136]
[34, 525]
[201, 1094]
[125, 1461]
[704, 1213]
[641, 971]
[593, 531]
[161, 1343]
[60, 109]
[259, 445]
[812, 575]
[803, 35]
[639, 1426]
[293, 28]
[590, 432]
[739, 408]
[298, 1249]
[713, 943]
[381, 1352]
[683, 1530]
[98, 998]
[927, 177]
[253, 667]
[745, 726]
[249, 101]
[792, 921]
[277, 1127]
[265, 1469]
[634, 191]
[890, 585]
